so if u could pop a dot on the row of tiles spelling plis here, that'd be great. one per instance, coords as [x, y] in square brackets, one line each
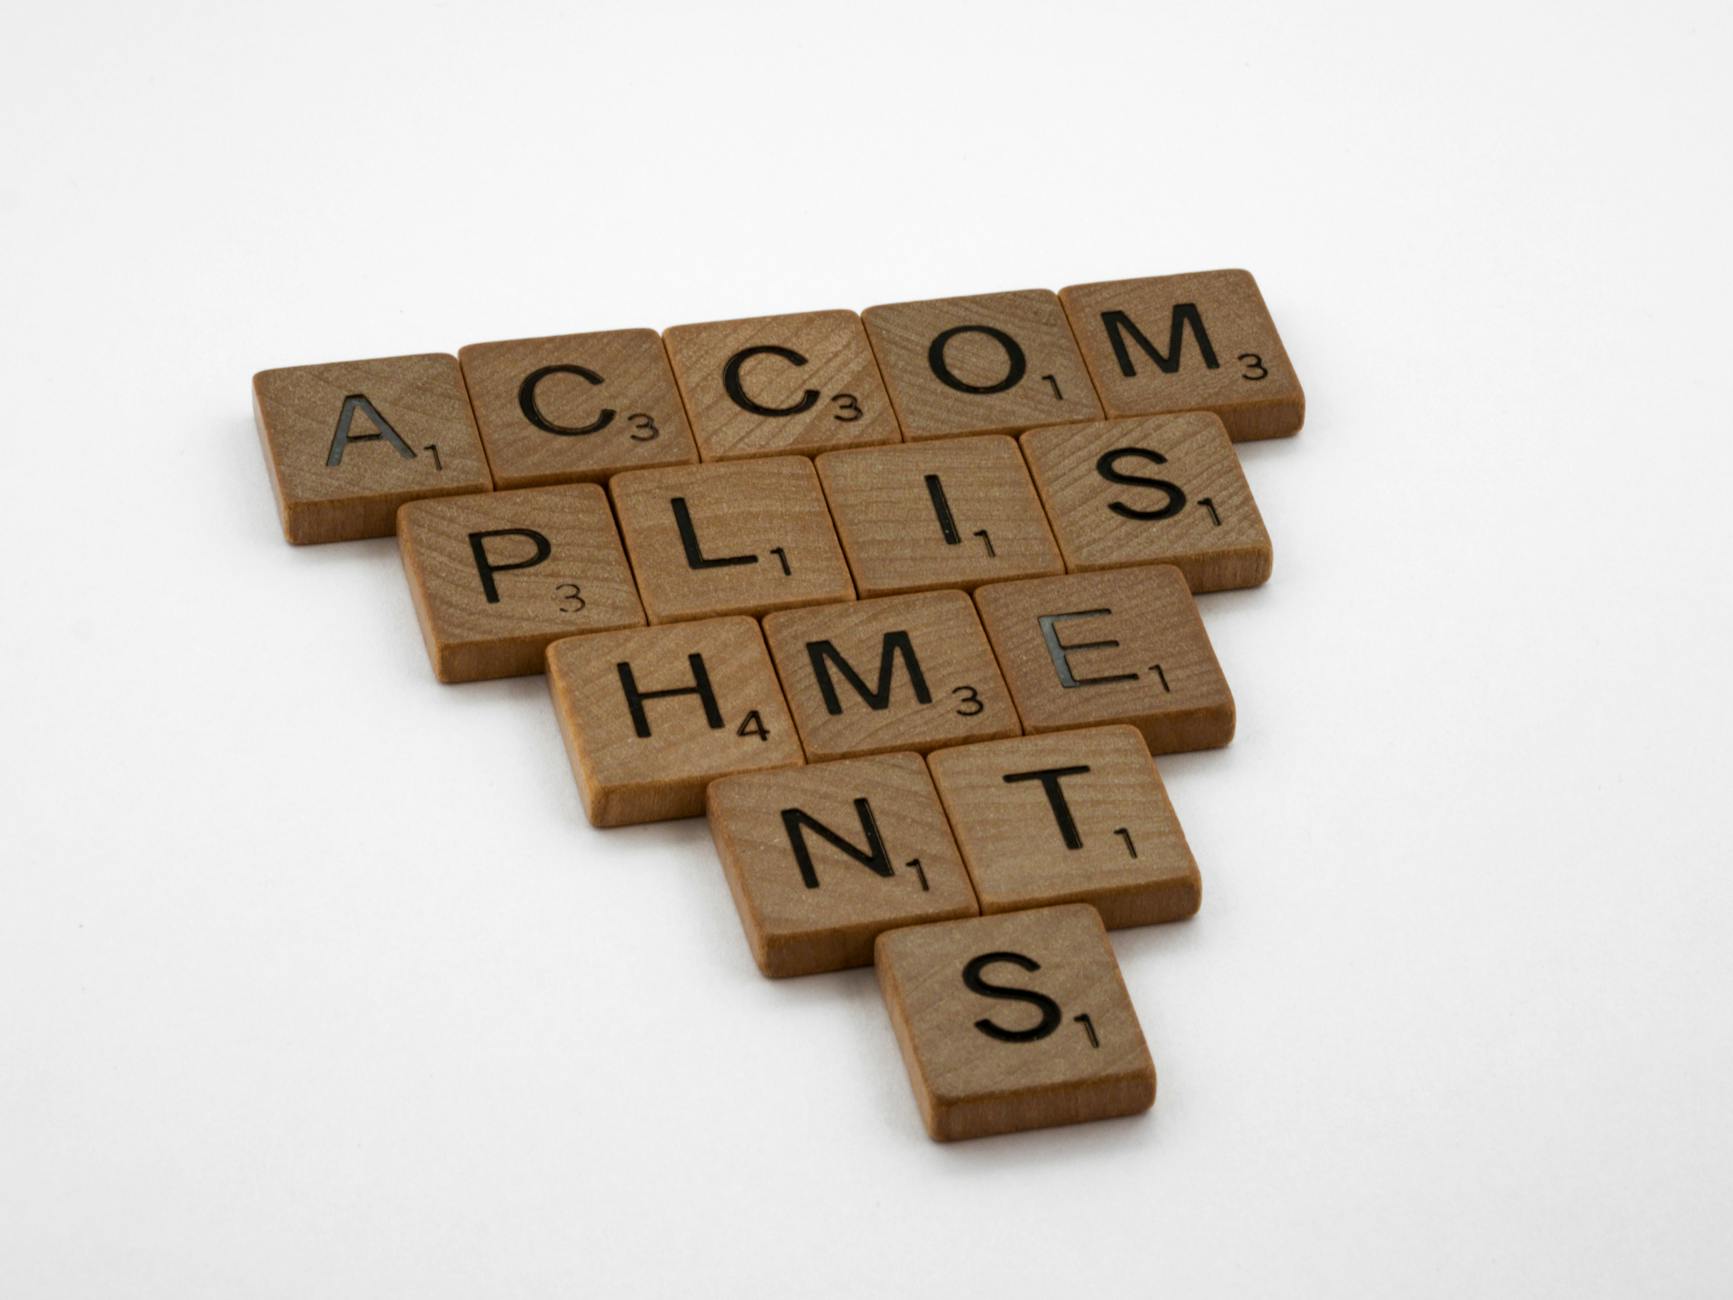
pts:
[349, 442]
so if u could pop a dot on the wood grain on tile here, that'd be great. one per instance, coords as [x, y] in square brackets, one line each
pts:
[347, 443]
[902, 672]
[991, 363]
[737, 538]
[1069, 817]
[498, 575]
[1154, 489]
[652, 715]
[822, 859]
[576, 408]
[773, 385]
[1197, 342]
[1013, 1022]
[920, 517]
[1123, 645]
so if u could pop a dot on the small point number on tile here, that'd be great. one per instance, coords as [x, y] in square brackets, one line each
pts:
[1124, 833]
[848, 408]
[645, 424]
[971, 705]
[914, 865]
[1253, 362]
[1088, 1028]
[753, 725]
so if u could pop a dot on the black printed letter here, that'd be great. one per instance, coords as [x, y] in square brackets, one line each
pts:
[487, 568]
[1049, 777]
[879, 697]
[1108, 468]
[342, 438]
[731, 381]
[526, 400]
[1118, 325]
[797, 822]
[700, 687]
[1050, 1012]
[1016, 364]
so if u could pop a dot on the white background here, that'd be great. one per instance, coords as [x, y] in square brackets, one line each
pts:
[315, 982]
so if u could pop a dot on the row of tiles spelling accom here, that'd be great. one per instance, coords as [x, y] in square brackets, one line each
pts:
[349, 442]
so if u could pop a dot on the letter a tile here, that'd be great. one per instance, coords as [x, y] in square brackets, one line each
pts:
[1015, 1021]
[1125, 645]
[348, 443]
[822, 859]
[498, 575]
[904, 672]
[1198, 342]
[652, 715]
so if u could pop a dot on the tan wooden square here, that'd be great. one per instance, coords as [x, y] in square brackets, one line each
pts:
[822, 859]
[652, 715]
[498, 575]
[347, 443]
[1069, 817]
[904, 672]
[1154, 489]
[576, 408]
[741, 538]
[943, 514]
[993, 363]
[1198, 342]
[1125, 645]
[1015, 1021]
[772, 385]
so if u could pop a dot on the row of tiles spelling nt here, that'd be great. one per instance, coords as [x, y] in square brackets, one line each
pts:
[348, 443]
[652, 715]
[496, 576]
[823, 859]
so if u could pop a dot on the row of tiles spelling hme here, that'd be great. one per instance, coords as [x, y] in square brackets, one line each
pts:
[979, 876]
[350, 442]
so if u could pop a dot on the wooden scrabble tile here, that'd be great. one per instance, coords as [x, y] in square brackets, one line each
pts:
[1154, 489]
[772, 385]
[347, 443]
[742, 538]
[993, 363]
[1069, 817]
[652, 715]
[498, 575]
[945, 514]
[1124, 645]
[904, 672]
[576, 408]
[822, 859]
[1015, 1021]
[1199, 342]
